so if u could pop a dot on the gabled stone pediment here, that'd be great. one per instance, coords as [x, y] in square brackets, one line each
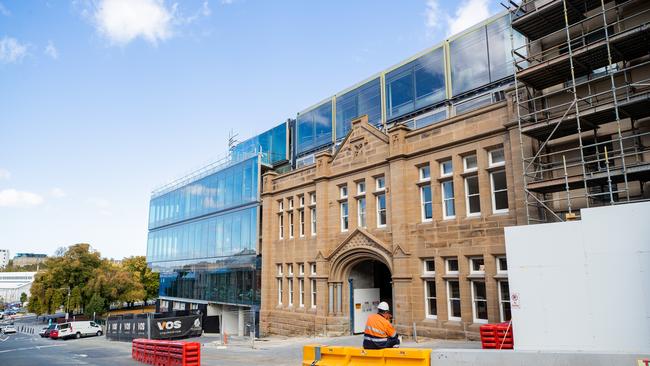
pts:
[399, 252]
[363, 144]
[359, 238]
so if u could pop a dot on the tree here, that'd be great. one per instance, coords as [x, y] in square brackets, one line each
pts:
[150, 280]
[97, 305]
[114, 284]
[23, 297]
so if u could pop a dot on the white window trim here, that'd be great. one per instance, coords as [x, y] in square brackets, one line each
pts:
[377, 180]
[312, 223]
[378, 211]
[421, 175]
[313, 269]
[499, 270]
[289, 269]
[290, 286]
[359, 212]
[278, 269]
[447, 270]
[423, 204]
[291, 228]
[279, 291]
[426, 272]
[449, 298]
[492, 164]
[313, 287]
[444, 201]
[471, 266]
[426, 299]
[301, 269]
[471, 214]
[301, 201]
[301, 292]
[301, 216]
[465, 168]
[359, 184]
[344, 218]
[343, 191]
[312, 198]
[290, 203]
[280, 205]
[502, 301]
[475, 301]
[442, 169]
[492, 193]
[281, 226]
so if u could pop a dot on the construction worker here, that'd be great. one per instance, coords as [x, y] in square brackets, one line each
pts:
[379, 331]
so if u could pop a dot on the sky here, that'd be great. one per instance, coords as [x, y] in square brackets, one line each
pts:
[101, 101]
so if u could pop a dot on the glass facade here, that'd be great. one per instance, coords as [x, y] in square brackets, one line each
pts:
[273, 144]
[234, 186]
[418, 84]
[314, 128]
[365, 99]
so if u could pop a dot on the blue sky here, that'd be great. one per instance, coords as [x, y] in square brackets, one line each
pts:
[103, 100]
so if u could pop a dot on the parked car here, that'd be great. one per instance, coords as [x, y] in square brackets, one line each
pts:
[9, 329]
[49, 329]
[43, 331]
[79, 329]
[54, 333]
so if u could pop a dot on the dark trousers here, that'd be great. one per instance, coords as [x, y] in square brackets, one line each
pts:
[390, 342]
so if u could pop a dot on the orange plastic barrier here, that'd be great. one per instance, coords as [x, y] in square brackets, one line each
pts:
[166, 353]
[497, 336]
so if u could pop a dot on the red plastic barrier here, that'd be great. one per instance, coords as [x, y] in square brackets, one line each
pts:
[497, 336]
[166, 353]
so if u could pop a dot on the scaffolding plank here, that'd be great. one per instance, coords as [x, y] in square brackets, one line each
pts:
[640, 172]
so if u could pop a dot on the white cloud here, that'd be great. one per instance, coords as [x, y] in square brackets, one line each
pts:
[467, 14]
[227, 2]
[98, 202]
[4, 11]
[122, 21]
[57, 193]
[11, 50]
[4, 174]
[14, 198]
[51, 51]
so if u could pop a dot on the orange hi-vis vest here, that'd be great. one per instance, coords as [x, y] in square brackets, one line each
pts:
[379, 328]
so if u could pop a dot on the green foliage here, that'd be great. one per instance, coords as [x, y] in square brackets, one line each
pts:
[149, 280]
[97, 305]
[23, 297]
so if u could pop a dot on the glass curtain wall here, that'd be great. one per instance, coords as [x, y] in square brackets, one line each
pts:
[365, 99]
[234, 186]
[272, 144]
[314, 128]
[418, 84]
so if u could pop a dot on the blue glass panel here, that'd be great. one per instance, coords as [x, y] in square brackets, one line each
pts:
[500, 46]
[469, 61]
[365, 99]
[314, 128]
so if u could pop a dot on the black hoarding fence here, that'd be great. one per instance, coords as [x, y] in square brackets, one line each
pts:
[128, 327]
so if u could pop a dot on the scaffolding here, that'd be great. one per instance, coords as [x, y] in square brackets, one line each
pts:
[582, 100]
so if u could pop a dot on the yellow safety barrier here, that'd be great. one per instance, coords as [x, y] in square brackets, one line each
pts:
[315, 355]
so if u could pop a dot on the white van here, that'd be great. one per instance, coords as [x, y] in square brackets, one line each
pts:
[79, 329]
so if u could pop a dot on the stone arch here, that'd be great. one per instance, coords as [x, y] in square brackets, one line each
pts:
[358, 247]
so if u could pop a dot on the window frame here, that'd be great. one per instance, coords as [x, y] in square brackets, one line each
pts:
[475, 302]
[290, 203]
[312, 268]
[343, 191]
[291, 226]
[471, 265]
[361, 213]
[445, 201]
[313, 287]
[427, 298]
[465, 168]
[281, 205]
[450, 299]
[344, 218]
[301, 227]
[301, 292]
[425, 270]
[379, 211]
[491, 162]
[421, 173]
[278, 269]
[301, 201]
[447, 270]
[498, 264]
[467, 197]
[424, 203]
[312, 198]
[312, 216]
[301, 269]
[281, 226]
[493, 192]
[280, 290]
[442, 168]
[502, 301]
[290, 287]
[361, 187]
[289, 269]
[379, 179]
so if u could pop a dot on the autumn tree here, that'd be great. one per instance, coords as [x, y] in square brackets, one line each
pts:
[150, 280]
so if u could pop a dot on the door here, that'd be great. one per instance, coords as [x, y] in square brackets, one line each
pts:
[365, 302]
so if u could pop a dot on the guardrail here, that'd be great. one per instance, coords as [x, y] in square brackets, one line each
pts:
[317, 355]
[169, 353]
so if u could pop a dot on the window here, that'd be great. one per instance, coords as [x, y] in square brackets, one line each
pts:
[290, 269]
[469, 61]
[446, 168]
[381, 210]
[343, 190]
[312, 198]
[502, 265]
[301, 292]
[451, 265]
[281, 225]
[279, 269]
[479, 300]
[290, 202]
[314, 128]
[453, 296]
[313, 220]
[470, 164]
[477, 265]
[472, 197]
[496, 157]
[429, 267]
[361, 187]
[425, 173]
[280, 205]
[430, 298]
[279, 291]
[380, 183]
[426, 203]
[290, 286]
[448, 208]
[361, 212]
[499, 192]
[301, 269]
[301, 199]
[344, 216]
[365, 99]
[301, 214]
[504, 301]
[313, 293]
[290, 225]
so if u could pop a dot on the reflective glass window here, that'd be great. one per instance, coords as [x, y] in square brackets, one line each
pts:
[365, 99]
[469, 61]
[314, 128]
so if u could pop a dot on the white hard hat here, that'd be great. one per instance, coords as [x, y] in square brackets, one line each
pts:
[383, 306]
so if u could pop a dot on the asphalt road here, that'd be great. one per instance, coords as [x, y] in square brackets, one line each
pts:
[30, 349]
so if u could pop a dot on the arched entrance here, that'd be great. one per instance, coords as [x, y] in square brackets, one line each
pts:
[369, 283]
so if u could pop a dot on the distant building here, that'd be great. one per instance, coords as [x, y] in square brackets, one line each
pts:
[4, 257]
[26, 259]
[12, 284]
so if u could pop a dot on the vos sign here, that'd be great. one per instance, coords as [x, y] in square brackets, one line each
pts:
[177, 327]
[169, 325]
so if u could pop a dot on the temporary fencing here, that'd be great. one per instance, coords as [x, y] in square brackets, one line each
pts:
[497, 336]
[166, 353]
[316, 355]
